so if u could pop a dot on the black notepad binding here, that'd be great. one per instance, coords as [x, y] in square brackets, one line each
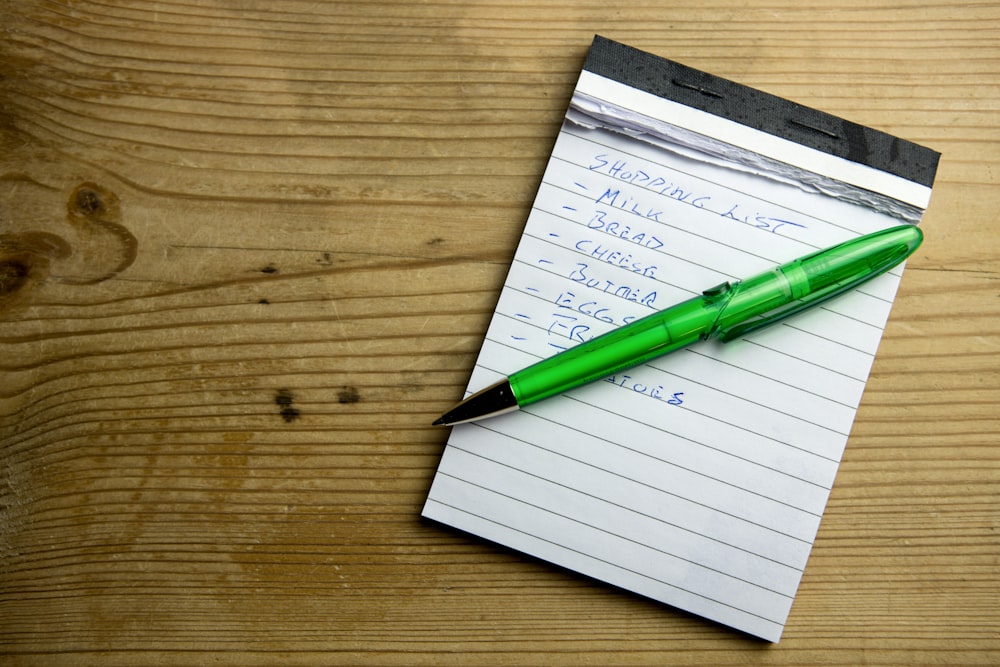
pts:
[762, 111]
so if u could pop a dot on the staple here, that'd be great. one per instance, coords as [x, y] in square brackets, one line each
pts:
[819, 130]
[696, 88]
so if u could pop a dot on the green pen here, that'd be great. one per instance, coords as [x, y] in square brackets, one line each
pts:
[727, 311]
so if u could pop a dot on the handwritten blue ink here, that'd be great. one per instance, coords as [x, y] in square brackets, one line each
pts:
[658, 392]
[623, 260]
[580, 274]
[759, 221]
[615, 199]
[623, 230]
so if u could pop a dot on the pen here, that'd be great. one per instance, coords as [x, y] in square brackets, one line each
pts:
[727, 311]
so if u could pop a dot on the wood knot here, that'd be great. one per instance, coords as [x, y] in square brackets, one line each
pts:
[87, 201]
[105, 247]
[25, 258]
[348, 395]
[283, 398]
[93, 202]
[13, 276]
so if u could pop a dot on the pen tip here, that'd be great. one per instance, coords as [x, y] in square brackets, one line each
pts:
[494, 400]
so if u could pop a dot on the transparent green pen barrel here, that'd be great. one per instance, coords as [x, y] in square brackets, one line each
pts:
[728, 311]
[814, 279]
[629, 346]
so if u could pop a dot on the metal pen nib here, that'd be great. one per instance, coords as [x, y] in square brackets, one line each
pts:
[490, 402]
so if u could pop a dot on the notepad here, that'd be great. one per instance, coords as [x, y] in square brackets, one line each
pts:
[699, 479]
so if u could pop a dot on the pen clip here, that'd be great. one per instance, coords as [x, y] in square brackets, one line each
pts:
[767, 319]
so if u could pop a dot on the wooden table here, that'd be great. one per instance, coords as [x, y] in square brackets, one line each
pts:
[249, 251]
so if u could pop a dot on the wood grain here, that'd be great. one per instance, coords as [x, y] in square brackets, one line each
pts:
[249, 249]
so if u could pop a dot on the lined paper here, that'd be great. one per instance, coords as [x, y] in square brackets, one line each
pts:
[698, 479]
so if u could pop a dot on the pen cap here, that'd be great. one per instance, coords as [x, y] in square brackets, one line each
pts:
[815, 278]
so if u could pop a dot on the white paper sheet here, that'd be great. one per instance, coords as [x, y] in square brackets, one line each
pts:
[699, 479]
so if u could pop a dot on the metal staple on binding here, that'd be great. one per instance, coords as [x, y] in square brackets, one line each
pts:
[819, 130]
[696, 88]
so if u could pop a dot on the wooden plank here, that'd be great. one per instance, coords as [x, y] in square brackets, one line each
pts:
[248, 252]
